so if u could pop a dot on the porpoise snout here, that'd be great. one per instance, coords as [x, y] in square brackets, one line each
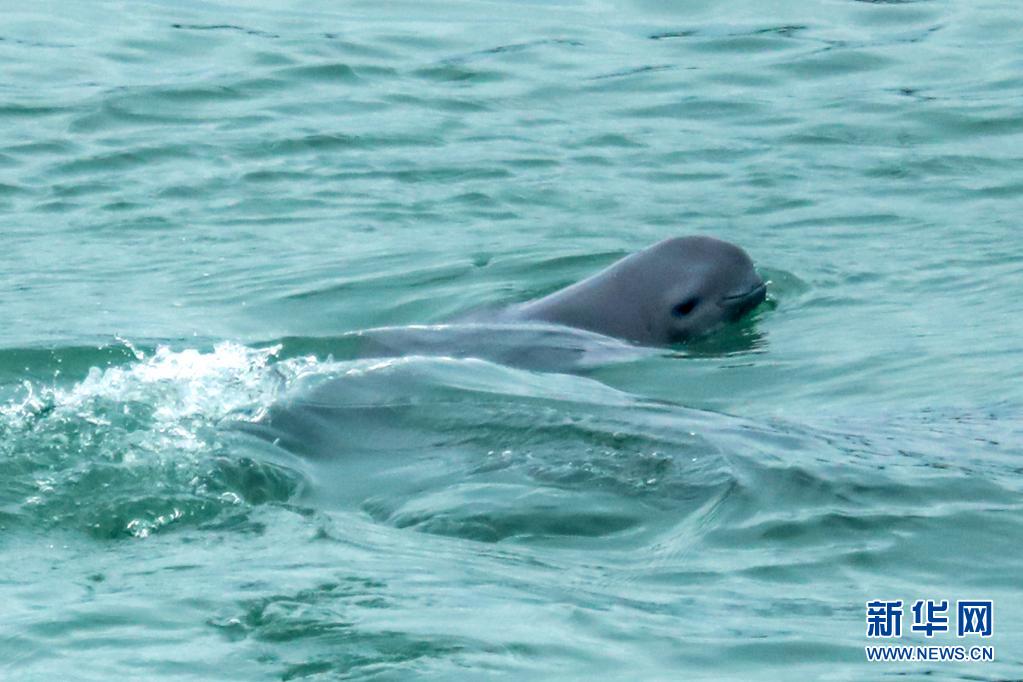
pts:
[745, 300]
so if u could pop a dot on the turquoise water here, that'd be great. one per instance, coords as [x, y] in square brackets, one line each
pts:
[205, 206]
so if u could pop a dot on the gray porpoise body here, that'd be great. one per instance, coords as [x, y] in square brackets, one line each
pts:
[667, 293]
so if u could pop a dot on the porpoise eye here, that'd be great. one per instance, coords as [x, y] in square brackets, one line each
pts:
[686, 307]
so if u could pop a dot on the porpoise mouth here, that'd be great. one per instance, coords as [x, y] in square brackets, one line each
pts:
[746, 301]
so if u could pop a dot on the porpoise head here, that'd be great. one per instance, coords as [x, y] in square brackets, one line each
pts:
[670, 292]
[705, 283]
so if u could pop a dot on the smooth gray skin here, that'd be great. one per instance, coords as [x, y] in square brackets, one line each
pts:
[667, 293]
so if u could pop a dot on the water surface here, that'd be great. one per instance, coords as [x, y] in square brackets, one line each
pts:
[203, 206]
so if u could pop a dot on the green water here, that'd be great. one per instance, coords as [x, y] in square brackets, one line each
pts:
[204, 205]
